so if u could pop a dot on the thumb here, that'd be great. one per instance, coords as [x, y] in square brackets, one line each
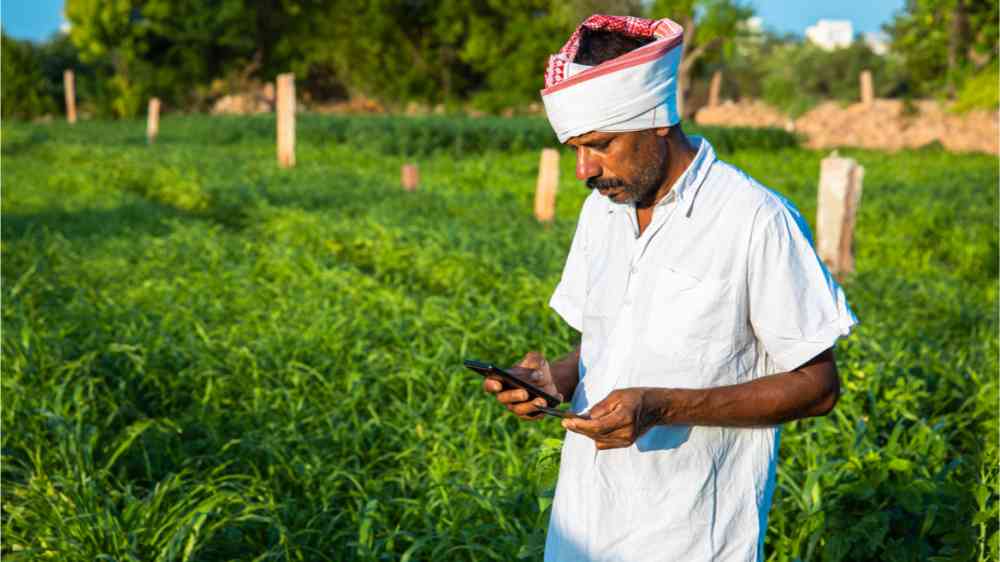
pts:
[602, 408]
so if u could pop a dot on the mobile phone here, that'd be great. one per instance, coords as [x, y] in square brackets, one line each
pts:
[510, 382]
[556, 413]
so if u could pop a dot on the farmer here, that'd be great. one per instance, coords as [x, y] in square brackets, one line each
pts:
[706, 318]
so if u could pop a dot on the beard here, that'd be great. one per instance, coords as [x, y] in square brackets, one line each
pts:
[641, 190]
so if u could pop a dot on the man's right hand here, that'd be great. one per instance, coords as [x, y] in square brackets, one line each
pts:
[533, 369]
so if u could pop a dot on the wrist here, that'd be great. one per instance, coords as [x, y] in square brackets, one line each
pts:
[564, 377]
[660, 403]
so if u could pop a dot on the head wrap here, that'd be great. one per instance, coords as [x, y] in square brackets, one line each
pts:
[635, 91]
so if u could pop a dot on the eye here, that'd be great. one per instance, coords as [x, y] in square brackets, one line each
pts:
[601, 145]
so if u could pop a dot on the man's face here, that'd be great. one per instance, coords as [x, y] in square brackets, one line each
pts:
[624, 167]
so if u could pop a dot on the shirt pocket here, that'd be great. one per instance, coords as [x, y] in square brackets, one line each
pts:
[690, 318]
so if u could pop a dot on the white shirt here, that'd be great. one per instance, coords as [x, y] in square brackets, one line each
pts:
[722, 287]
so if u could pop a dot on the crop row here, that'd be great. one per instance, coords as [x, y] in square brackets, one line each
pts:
[190, 330]
[394, 135]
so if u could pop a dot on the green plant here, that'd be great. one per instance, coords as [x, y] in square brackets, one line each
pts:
[981, 91]
[206, 357]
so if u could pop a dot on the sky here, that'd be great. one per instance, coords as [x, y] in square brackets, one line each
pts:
[38, 19]
[794, 16]
[31, 19]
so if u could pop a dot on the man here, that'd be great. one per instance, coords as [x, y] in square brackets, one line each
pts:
[706, 319]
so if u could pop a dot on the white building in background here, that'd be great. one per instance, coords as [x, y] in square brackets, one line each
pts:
[65, 25]
[831, 34]
[878, 42]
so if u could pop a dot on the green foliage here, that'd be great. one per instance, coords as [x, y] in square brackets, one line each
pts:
[712, 29]
[426, 135]
[175, 49]
[209, 358]
[943, 42]
[510, 43]
[33, 75]
[981, 91]
[397, 51]
[716, 24]
[23, 95]
[490, 53]
[796, 76]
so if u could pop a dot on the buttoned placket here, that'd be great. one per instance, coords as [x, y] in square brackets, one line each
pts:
[622, 337]
[661, 216]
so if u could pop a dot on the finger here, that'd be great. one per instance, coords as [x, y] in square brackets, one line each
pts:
[615, 424]
[604, 445]
[570, 427]
[532, 360]
[528, 413]
[513, 396]
[521, 372]
[526, 408]
[492, 386]
[598, 426]
[533, 417]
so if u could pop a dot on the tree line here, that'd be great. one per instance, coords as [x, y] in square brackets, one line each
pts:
[484, 54]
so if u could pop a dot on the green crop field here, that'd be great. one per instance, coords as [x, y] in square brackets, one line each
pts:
[206, 357]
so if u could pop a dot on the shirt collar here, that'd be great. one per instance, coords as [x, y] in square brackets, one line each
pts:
[686, 186]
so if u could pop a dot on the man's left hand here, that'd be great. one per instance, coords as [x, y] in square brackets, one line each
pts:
[621, 418]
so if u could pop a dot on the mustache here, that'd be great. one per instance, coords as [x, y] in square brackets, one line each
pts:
[594, 183]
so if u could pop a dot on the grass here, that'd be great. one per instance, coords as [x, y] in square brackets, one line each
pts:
[209, 358]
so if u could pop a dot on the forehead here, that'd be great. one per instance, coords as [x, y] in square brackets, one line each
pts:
[591, 138]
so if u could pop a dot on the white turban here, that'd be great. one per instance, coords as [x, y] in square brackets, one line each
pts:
[635, 91]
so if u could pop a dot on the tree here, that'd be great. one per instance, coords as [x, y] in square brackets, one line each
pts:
[796, 75]
[395, 50]
[710, 30]
[510, 46]
[173, 48]
[23, 85]
[944, 42]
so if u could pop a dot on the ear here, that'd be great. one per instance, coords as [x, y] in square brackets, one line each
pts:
[662, 131]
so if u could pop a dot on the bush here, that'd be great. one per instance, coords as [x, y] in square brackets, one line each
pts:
[798, 76]
[426, 135]
[23, 90]
[980, 91]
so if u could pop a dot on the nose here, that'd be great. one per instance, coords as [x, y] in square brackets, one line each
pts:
[587, 163]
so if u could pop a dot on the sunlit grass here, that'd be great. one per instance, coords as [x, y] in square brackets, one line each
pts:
[209, 358]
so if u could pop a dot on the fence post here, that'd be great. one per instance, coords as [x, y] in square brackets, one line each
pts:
[867, 87]
[839, 198]
[410, 177]
[548, 184]
[713, 89]
[286, 120]
[69, 85]
[153, 120]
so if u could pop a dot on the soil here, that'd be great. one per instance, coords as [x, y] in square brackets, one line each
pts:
[884, 124]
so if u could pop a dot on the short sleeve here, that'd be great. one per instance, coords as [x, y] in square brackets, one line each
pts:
[797, 308]
[571, 294]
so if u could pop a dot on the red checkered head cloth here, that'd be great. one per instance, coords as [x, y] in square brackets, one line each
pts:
[637, 89]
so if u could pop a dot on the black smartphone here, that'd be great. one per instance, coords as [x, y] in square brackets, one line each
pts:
[510, 382]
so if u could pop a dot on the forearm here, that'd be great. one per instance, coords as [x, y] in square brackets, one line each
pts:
[770, 400]
[566, 373]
